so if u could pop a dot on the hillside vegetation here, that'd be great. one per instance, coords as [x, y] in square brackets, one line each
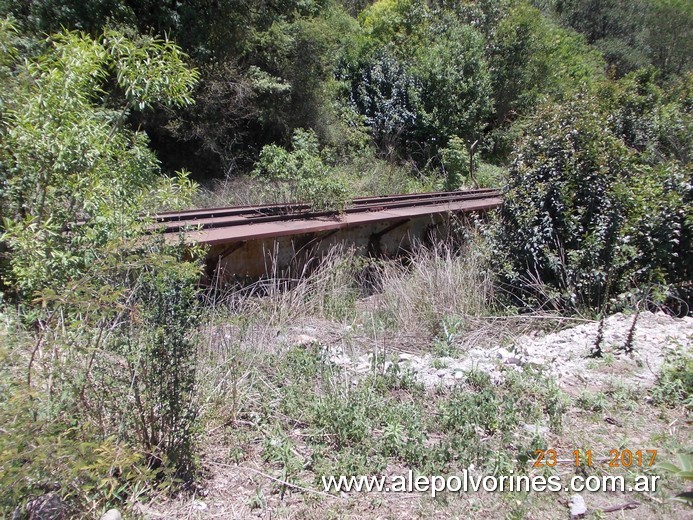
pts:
[123, 382]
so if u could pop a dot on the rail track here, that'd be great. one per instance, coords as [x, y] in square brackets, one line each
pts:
[194, 221]
[256, 240]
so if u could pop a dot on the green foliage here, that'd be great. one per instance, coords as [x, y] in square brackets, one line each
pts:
[683, 469]
[116, 308]
[669, 36]
[422, 80]
[38, 460]
[562, 212]
[648, 119]
[456, 88]
[586, 216]
[162, 357]
[530, 57]
[386, 417]
[147, 70]
[420, 72]
[634, 34]
[456, 163]
[675, 382]
[48, 451]
[432, 72]
[67, 156]
[302, 174]
[395, 21]
[387, 95]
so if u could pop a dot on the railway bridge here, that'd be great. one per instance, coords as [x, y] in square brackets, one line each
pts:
[253, 241]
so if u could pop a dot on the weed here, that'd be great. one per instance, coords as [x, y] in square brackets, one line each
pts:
[434, 291]
[438, 364]
[675, 382]
[592, 401]
[258, 500]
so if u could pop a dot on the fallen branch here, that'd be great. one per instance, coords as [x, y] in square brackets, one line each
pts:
[270, 477]
[621, 507]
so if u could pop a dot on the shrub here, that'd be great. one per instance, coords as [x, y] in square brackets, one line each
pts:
[103, 381]
[302, 175]
[457, 164]
[67, 155]
[163, 363]
[585, 217]
[387, 95]
[675, 382]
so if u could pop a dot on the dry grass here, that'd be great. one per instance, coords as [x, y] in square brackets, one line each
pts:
[232, 191]
[366, 178]
[434, 285]
[253, 332]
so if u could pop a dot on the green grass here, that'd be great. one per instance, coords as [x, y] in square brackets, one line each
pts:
[389, 418]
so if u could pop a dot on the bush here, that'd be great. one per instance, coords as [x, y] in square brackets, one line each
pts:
[584, 217]
[102, 380]
[301, 175]
[675, 382]
[67, 156]
[162, 363]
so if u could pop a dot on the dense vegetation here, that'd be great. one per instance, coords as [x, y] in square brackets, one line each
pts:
[580, 110]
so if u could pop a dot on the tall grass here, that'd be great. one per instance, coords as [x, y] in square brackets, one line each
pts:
[433, 284]
[248, 324]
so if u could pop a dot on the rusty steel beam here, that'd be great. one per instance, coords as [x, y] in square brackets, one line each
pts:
[279, 228]
[298, 208]
[255, 223]
[274, 237]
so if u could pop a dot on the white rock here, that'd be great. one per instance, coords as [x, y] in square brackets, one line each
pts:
[535, 428]
[577, 507]
[112, 514]
[502, 353]
[199, 505]
[303, 340]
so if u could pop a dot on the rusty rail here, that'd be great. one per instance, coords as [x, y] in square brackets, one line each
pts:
[256, 240]
[196, 221]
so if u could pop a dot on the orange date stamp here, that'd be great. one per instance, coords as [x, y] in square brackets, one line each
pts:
[616, 459]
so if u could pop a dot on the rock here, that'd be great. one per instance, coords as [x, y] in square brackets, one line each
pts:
[502, 354]
[561, 355]
[577, 507]
[112, 514]
[341, 360]
[303, 340]
[362, 368]
[535, 428]
[199, 505]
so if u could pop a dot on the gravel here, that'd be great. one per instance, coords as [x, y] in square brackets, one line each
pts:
[564, 354]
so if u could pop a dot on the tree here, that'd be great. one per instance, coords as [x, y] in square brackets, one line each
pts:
[387, 94]
[422, 80]
[633, 34]
[67, 155]
[75, 180]
[456, 85]
[669, 29]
